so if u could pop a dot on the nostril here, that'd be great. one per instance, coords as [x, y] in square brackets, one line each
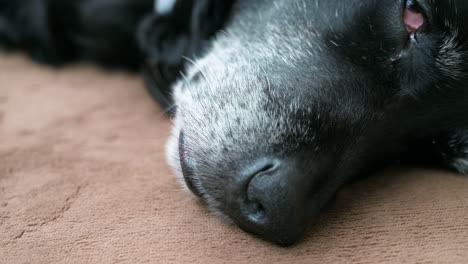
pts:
[271, 199]
[255, 212]
[264, 166]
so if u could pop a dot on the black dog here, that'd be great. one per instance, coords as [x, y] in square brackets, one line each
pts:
[291, 100]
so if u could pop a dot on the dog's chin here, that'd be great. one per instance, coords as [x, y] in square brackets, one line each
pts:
[173, 159]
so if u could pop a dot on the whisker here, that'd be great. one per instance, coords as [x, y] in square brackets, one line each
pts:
[201, 71]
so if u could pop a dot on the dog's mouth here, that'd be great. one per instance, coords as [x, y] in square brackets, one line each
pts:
[186, 163]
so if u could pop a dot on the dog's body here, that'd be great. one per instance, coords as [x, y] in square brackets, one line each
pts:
[124, 34]
[295, 98]
[58, 32]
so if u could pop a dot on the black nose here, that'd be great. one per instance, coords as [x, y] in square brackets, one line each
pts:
[275, 201]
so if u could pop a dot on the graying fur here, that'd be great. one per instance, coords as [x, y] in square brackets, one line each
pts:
[224, 104]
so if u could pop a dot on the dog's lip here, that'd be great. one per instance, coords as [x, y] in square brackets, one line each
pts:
[186, 164]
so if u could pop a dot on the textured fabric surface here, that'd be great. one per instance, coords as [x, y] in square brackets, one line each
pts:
[83, 179]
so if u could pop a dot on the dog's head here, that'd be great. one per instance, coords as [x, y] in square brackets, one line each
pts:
[295, 98]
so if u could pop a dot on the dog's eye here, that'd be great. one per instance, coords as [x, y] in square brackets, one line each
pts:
[413, 16]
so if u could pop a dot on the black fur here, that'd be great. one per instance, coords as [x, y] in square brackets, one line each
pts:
[168, 40]
[315, 94]
[113, 33]
[359, 93]
[58, 32]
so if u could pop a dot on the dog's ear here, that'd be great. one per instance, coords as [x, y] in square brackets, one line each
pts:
[8, 34]
[102, 31]
[32, 26]
[178, 29]
[23, 25]
[58, 32]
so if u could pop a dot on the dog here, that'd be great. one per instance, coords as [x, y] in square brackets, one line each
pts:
[281, 103]
[134, 35]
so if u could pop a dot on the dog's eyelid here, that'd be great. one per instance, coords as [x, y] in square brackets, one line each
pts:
[420, 7]
[414, 18]
[413, 4]
[416, 5]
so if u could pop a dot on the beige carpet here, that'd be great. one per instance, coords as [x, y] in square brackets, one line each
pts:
[83, 180]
